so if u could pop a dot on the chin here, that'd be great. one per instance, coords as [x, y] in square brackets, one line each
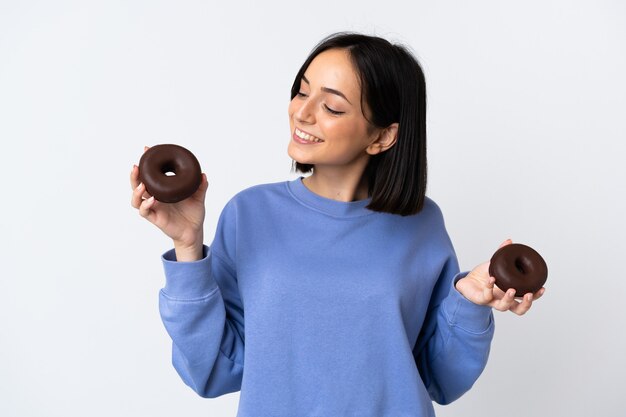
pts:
[296, 156]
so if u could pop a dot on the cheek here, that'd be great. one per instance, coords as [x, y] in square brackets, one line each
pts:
[343, 130]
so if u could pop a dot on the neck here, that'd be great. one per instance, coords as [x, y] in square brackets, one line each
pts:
[337, 185]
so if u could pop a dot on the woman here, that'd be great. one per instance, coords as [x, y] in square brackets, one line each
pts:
[350, 288]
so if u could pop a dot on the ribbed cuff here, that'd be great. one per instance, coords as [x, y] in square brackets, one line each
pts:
[464, 314]
[188, 280]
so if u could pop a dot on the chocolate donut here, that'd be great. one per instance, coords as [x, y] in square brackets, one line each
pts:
[159, 160]
[518, 266]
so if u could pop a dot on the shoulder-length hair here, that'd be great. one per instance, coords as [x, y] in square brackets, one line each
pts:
[394, 89]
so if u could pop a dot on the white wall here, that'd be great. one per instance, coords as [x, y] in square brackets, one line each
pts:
[526, 140]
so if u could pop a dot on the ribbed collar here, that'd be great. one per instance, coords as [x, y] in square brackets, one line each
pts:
[326, 205]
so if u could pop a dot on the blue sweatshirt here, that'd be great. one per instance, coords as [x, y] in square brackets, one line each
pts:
[319, 308]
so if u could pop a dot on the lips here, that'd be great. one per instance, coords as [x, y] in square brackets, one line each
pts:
[306, 137]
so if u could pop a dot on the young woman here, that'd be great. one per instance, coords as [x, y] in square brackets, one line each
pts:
[338, 294]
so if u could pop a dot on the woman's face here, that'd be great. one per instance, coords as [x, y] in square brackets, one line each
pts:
[326, 120]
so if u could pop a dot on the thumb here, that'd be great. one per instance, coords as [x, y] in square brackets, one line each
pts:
[204, 185]
[482, 270]
[201, 191]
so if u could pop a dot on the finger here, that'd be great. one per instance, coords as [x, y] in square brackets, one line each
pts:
[134, 173]
[480, 272]
[539, 293]
[488, 290]
[204, 185]
[497, 292]
[520, 308]
[201, 191]
[136, 198]
[142, 194]
[506, 242]
[134, 177]
[509, 299]
[145, 208]
[506, 302]
[483, 268]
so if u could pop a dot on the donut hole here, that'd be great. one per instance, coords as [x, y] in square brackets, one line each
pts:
[522, 265]
[169, 170]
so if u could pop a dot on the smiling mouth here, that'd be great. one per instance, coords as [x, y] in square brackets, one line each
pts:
[306, 137]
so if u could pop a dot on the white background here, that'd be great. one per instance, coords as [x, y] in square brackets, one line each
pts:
[526, 139]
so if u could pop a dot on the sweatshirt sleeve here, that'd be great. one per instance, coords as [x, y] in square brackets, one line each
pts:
[453, 346]
[202, 312]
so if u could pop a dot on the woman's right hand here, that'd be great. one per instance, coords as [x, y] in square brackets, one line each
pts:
[182, 221]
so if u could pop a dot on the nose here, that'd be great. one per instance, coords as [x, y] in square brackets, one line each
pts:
[304, 111]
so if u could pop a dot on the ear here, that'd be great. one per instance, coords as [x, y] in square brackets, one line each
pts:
[386, 139]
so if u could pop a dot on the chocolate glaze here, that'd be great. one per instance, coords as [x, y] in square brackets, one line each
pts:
[160, 159]
[518, 266]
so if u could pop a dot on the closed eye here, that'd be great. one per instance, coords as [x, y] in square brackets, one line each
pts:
[333, 111]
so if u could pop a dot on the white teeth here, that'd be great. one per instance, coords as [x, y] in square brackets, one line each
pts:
[307, 137]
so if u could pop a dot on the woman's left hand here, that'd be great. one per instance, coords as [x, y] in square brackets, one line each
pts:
[480, 288]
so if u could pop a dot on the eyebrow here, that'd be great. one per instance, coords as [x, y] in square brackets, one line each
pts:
[328, 90]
